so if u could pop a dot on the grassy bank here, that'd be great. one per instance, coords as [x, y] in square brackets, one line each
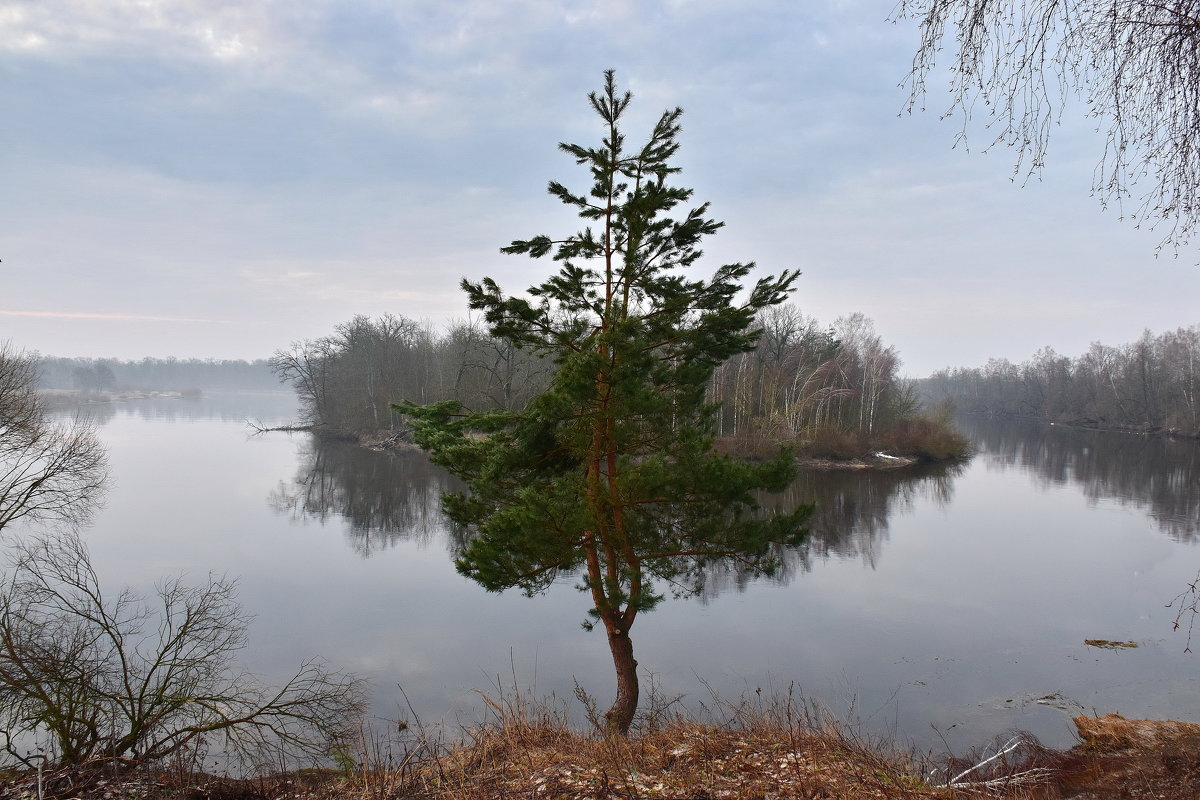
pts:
[784, 750]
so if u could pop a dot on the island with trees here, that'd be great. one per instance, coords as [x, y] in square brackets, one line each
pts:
[833, 393]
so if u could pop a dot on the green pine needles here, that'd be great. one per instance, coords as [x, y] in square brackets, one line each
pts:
[610, 473]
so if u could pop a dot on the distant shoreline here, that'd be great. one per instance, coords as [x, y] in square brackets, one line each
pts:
[1156, 431]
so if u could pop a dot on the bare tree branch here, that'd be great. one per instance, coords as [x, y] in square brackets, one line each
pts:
[1134, 63]
[49, 471]
[120, 679]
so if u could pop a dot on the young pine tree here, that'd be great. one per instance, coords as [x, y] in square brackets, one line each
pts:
[610, 472]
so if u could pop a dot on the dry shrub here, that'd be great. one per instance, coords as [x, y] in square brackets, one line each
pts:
[749, 447]
[928, 439]
[835, 444]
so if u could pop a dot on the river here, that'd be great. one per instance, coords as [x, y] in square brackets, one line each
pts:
[945, 606]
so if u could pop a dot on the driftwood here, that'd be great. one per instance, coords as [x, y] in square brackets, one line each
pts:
[259, 428]
[998, 772]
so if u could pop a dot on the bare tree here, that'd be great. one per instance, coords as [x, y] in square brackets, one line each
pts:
[500, 374]
[1135, 64]
[49, 471]
[115, 678]
[306, 366]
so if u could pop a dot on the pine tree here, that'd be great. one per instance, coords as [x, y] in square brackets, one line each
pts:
[610, 472]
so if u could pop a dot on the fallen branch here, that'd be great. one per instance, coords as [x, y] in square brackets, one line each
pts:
[259, 428]
[1026, 778]
[1021, 778]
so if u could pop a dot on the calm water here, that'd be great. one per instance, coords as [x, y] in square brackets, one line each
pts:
[940, 604]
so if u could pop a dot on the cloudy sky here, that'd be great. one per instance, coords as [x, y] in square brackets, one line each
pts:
[218, 178]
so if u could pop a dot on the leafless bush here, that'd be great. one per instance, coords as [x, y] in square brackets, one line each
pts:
[117, 679]
[49, 472]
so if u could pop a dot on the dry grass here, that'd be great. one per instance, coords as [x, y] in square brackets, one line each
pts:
[921, 438]
[789, 751]
[782, 750]
[531, 750]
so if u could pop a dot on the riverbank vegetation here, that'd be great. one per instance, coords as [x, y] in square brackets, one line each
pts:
[1149, 386]
[746, 750]
[829, 391]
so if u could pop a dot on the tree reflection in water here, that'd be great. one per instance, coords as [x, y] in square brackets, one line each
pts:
[1156, 475]
[236, 407]
[391, 497]
[850, 520]
[385, 498]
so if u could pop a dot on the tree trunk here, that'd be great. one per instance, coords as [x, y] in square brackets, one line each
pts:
[620, 716]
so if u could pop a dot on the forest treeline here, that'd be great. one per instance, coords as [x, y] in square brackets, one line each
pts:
[154, 374]
[831, 390]
[1151, 384]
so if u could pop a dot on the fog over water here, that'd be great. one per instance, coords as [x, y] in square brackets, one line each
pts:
[939, 602]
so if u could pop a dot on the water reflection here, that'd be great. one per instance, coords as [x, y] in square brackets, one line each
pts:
[850, 520]
[1158, 476]
[272, 408]
[391, 497]
[385, 498]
